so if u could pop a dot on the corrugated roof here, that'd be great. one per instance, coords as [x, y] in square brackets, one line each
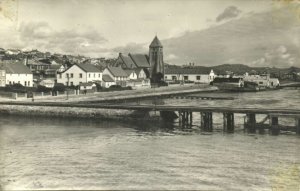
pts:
[107, 78]
[15, 68]
[88, 67]
[155, 43]
[187, 71]
[117, 71]
[140, 60]
[127, 61]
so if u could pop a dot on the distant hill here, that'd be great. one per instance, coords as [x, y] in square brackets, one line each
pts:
[240, 69]
[269, 39]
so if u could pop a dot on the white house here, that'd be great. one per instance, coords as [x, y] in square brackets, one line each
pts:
[140, 72]
[197, 75]
[107, 81]
[79, 73]
[17, 73]
[262, 80]
[131, 74]
[47, 83]
[117, 74]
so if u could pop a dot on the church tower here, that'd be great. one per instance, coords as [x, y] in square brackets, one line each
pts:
[156, 60]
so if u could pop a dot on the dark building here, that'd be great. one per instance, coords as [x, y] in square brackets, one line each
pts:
[156, 60]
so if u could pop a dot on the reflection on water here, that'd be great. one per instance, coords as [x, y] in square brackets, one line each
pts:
[73, 154]
[38, 153]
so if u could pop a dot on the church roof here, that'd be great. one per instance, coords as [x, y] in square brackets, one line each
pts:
[127, 61]
[140, 60]
[155, 43]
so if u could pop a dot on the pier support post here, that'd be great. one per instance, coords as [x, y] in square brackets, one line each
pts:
[206, 121]
[274, 125]
[298, 126]
[228, 122]
[250, 123]
[191, 119]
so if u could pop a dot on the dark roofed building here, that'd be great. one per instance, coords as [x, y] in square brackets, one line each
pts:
[17, 73]
[88, 68]
[140, 60]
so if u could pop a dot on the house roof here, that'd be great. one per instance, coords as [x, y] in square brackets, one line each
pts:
[128, 71]
[231, 80]
[117, 72]
[155, 43]
[15, 68]
[187, 71]
[107, 78]
[127, 61]
[88, 68]
[140, 60]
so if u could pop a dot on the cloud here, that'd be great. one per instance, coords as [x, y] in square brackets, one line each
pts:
[42, 36]
[278, 57]
[132, 48]
[229, 13]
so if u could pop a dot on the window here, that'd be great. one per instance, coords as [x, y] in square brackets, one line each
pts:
[94, 75]
[261, 83]
[166, 77]
[186, 77]
[28, 83]
[59, 76]
[174, 78]
[71, 83]
[67, 75]
[99, 76]
[89, 75]
[80, 75]
[71, 75]
[67, 83]
[25, 83]
[198, 77]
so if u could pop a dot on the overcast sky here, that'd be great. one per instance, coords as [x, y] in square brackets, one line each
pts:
[95, 28]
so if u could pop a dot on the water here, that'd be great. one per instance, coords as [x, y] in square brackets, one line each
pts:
[71, 154]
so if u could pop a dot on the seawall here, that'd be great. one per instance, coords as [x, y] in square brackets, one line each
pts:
[72, 112]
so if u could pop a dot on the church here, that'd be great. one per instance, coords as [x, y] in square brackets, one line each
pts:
[152, 64]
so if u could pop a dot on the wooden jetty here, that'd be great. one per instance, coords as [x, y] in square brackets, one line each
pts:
[185, 115]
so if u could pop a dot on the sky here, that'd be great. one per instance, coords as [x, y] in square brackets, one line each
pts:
[99, 28]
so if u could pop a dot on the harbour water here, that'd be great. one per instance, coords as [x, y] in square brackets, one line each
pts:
[40, 153]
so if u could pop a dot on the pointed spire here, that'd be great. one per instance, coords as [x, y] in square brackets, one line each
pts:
[155, 43]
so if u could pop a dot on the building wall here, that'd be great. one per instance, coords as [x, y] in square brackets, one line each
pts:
[142, 75]
[2, 78]
[94, 76]
[133, 76]
[76, 79]
[107, 84]
[23, 79]
[197, 78]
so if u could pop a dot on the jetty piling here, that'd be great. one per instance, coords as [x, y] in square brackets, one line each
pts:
[274, 125]
[250, 122]
[207, 121]
[298, 126]
[228, 122]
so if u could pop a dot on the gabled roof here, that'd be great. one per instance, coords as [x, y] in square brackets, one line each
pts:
[140, 60]
[187, 71]
[107, 78]
[117, 71]
[88, 68]
[127, 61]
[129, 71]
[155, 43]
[15, 68]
